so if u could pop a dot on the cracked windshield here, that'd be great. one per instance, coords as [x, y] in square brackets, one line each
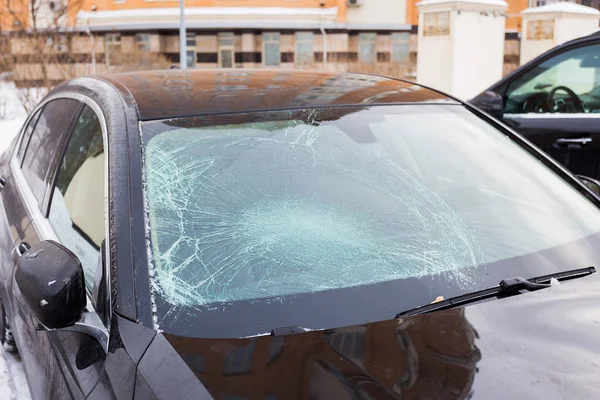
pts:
[271, 205]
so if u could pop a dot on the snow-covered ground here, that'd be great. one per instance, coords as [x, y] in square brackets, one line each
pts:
[8, 130]
[12, 114]
[13, 385]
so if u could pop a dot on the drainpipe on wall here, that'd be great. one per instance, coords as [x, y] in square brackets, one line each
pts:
[182, 36]
[324, 35]
[89, 33]
[324, 45]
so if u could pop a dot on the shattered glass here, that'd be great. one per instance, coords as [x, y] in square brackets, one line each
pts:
[303, 201]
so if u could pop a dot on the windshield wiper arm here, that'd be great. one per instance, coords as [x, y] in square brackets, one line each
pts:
[505, 287]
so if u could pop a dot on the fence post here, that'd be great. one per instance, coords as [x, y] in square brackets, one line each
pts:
[460, 45]
[553, 24]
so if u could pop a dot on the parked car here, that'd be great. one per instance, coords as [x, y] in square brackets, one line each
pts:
[554, 101]
[239, 234]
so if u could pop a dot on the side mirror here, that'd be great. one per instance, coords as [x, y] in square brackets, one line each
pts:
[593, 184]
[490, 102]
[51, 280]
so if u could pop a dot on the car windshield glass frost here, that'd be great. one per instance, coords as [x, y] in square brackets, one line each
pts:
[272, 204]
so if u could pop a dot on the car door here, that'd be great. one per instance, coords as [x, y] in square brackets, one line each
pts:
[555, 103]
[30, 173]
[66, 364]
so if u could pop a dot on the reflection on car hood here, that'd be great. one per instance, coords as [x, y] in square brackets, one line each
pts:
[537, 345]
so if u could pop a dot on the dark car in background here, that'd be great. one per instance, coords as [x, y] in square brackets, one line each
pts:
[271, 235]
[554, 101]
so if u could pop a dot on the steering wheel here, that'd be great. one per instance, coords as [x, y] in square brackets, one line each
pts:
[576, 101]
[536, 103]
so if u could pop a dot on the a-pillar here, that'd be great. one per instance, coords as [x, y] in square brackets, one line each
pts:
[461, 45]
[547, 26]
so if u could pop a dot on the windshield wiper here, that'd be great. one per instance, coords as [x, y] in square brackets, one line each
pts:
[506, 287]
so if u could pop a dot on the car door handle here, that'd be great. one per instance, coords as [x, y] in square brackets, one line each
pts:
[2, 183]
[21, 248]
[572, 142]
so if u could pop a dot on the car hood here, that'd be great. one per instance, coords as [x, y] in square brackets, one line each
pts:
[537, 345]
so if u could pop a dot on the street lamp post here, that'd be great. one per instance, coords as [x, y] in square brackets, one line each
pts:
[182, 36]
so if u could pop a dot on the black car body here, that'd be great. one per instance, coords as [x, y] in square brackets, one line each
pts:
[554, 101]
[295, 297]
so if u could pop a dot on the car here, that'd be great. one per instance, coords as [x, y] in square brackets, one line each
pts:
[273, 234]
[554, 101]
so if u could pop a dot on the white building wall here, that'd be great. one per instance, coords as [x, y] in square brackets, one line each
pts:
[434, 62]
[377, 11]
[478, 55]
[572, 26]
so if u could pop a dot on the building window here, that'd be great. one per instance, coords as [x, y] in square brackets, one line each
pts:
[400, 47]
[271, 49]
[190, 47]
[190, 39]
[143, 41]
[112, 43]
[59, 42]
[239, 360]
[226, 52]
[367, 48]
[190, 58]
[304, 48]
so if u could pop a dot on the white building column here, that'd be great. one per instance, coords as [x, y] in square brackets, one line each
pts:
[547, 26]
[460, 45]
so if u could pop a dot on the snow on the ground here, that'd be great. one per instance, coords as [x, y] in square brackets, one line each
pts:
[13, 384]
[8, 130]
[12, 114]
[11, 106]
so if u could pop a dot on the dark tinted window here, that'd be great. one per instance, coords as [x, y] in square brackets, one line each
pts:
[52, 124]
[564, 83]
[27, 134]
[77, 207]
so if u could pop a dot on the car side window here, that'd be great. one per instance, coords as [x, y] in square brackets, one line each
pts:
[53, 122]
[77, 206]
[27, 134]
[569, 82]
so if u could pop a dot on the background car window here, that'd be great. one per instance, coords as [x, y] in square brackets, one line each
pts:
[77, 207]
[54, 121]
[27, 134]
[566, 83]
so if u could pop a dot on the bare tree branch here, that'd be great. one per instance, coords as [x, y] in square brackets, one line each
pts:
[38, 48]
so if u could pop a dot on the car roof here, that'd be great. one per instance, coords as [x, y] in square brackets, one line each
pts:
[178, 93]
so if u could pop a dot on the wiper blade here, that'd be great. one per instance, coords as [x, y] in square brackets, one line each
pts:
[506, 287]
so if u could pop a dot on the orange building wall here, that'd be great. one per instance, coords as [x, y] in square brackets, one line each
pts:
[513, 22]
[19, 8]
[412, 13]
